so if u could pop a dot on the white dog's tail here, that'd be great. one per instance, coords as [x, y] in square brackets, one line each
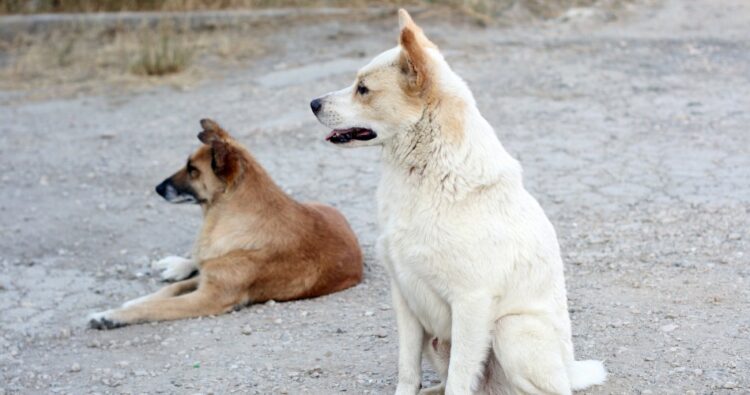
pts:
[583, 374]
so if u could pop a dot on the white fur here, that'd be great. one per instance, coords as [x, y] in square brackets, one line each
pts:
[472, 257]
[175, 268]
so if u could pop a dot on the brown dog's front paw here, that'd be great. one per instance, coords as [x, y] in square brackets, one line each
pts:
[104, 320]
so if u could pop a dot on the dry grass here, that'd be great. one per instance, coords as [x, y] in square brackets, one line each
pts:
[45, 6]
[162, 55]
[86, 58]
[488, 10]
[76, 60]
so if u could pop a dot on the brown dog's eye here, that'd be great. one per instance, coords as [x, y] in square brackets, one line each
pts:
[192, 170]
[362, 90]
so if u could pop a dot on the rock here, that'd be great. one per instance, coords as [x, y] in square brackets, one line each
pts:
[247, 330]
[729, 385]
[74, 368]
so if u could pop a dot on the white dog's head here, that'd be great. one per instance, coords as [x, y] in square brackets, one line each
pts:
[390, 94]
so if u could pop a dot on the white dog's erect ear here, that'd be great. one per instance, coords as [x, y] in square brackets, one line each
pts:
[414, 62]
[404, 19]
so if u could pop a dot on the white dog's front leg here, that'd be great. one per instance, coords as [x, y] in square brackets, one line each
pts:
[471, 324]
[410, 335]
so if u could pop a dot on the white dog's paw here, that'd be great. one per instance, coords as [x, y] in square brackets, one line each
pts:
[104, 320]
[407, 389]
[175, 268]
[434, 390]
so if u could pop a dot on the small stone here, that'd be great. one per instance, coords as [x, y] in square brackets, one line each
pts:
[315, 372]
[369, 313]
[668, 328]
[65, 333]
[74, 368]
[729, 385]
[247, 330]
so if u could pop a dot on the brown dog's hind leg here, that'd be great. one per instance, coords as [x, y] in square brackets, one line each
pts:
[175, 289]
[222, 284]
[204, 301]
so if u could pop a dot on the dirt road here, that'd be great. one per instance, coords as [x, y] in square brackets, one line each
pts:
[633, 134]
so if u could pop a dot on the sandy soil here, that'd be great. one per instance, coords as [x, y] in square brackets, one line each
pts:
[633, 133]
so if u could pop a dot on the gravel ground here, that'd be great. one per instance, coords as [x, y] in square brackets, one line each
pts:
[633, 133]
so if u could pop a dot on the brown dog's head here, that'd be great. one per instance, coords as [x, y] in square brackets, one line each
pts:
[209, 172]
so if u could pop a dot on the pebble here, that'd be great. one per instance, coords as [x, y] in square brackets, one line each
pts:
[730, 385]
[668, 328]
[247, 330]
[75, 368]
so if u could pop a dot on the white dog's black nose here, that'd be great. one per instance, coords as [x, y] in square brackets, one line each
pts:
[316, 105]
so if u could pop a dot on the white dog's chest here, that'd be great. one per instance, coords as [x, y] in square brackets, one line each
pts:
[422, 292]
[422, 260]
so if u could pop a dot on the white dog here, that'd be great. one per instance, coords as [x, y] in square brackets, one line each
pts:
[476, 275]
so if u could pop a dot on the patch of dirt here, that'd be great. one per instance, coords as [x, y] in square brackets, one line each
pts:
[632, 133]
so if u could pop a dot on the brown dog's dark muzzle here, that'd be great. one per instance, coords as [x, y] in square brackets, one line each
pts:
[176, 194]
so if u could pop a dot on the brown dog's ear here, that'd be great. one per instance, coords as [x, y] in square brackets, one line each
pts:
[414, 62]
[226, 161]
[212, 132]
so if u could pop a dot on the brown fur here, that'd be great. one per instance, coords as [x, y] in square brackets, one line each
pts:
[256, 243]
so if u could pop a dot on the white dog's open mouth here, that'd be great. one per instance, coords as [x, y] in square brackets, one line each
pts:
[341, 136]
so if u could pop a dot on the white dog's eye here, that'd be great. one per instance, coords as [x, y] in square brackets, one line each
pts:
[362, 90]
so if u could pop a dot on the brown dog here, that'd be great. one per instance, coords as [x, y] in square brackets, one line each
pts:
[256, 243]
